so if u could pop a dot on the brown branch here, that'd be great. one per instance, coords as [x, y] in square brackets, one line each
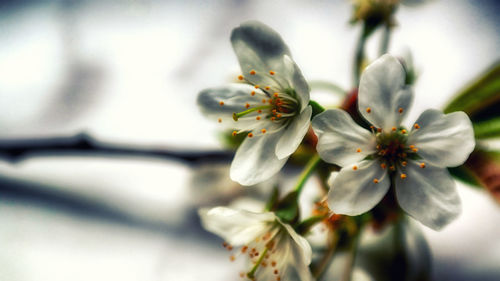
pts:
[17, 150]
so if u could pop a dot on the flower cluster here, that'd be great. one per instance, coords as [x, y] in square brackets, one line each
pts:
[271, 106]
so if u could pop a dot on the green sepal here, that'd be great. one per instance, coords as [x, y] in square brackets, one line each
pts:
[287, 208]
[273, 199]
[316, 108]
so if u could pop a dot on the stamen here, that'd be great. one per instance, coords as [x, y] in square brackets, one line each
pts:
[392, 168]
[263, 131]
[272, 72]
[256, 86]
[276, 95]
[358, 150]
[242, 274]
[279, 115]
[403, 131]
[252, 93]
[240, 77]
[268, 88]
[368, 110]
[404, 163]
[273, 118]
[403, 176]
[252, 72]
[383, 165]
[276, 272]
[220, 120]
[232, 258]
[250, 110]
[225, 244]
[414, 149]
[394, 129]
[234, 133]
[221, 103]
[400, 110]
[379, 130]
[257, 118]
[416, 126]
[250, 135]
[264, 100]
[375, 180]
[273, 263]
[422, 165]
[247, 105]
[259, 111]
[354, 167]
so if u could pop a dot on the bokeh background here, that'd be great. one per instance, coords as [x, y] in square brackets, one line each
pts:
[128, 72]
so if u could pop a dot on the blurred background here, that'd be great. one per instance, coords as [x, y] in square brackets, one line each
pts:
[127, 73]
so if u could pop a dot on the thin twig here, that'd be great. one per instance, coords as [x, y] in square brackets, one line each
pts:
[18, 150]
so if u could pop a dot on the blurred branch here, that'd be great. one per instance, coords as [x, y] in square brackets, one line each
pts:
[16, 150]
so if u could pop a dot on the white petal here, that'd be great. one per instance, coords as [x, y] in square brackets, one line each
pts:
[297, 82]
[444, 140]
[293, 134]
[428, 195]
[237, 227]
[303, 246]
[340, 138]
[354, 191]
[255, 159]
[382, 89]
[260, 48]
[235, 97]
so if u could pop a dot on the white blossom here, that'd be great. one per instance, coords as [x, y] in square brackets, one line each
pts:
[414, 159]
[271, 106]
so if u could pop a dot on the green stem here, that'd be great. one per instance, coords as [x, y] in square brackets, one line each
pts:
[320, 270]
[349, 266]
[360, 54]
[251, 274]
[308, 170]
[384, 45]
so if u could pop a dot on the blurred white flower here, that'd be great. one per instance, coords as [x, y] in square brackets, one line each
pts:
[414, 161]
[271, 106]
[275, 251]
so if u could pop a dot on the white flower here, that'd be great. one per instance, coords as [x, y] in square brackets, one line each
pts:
[275, 251]
[414, 161]
[271, 106]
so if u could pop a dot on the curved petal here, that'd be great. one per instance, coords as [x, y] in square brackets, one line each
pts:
[382, 89]
[357, 190]
[428, 195]
[237, 227]
[297, 82]
[444, 140]
[255, 159]
[260, 48]
[340, 138]
[304, 249]
[293, 134]
[234, 98]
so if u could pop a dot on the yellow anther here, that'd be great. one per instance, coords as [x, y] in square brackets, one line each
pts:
[263, 131]
[273, 111]
[221, 103]
[272, 72]
[403, 176]
[404, 163]
[358, 150]
[258, 117]
[247, 105]
[256, 86]
[252, 93]
[273, 118]
[279, 115]
[270, 100]
[400, 110]
[240, 77]
[422, 165]
[368, 110]
[414, 149]
[232, 258]
[252, 72]
[383, 165]
[234, 133]
[220, 120]
[268, 88]
[276, 95]
[411, 146]
[393, 129]
[416, 126]
[392, 168]
[242, 274]
[375, 180]
[354, 167]
[273, 263]
[259, 111]
[276, 271]
[403, 131]
[250, 135]
[264, 100]
[379, 130]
